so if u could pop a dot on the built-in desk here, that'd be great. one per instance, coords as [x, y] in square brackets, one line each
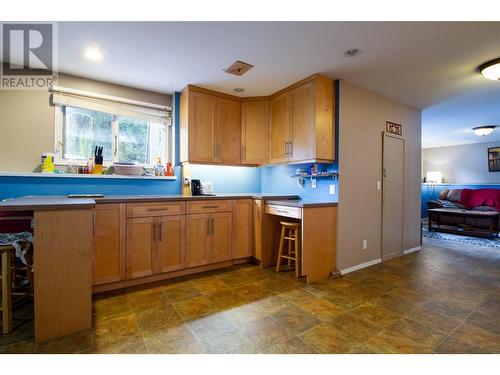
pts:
[318, 235]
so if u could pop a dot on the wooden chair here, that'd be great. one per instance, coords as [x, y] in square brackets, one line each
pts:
[290, 232]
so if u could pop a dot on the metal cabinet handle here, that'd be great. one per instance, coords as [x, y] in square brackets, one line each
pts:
[209, 206]
[153, 233]
[290, 153]
[212, 226]
[159, 232]
[157, 209]
[208, 226]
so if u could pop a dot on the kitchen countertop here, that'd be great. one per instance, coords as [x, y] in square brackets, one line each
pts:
[301, 203]
[39, 202]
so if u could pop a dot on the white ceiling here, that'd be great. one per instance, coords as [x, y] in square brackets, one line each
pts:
[430, 66]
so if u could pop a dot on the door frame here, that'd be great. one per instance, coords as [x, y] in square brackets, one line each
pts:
[384, 135]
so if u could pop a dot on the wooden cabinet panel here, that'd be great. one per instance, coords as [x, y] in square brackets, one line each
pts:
[279, 128]
[197, 239]
[170, 243]
[141, 260]
[227, 131]
[202, 109]
[255, 132]
[303, 132]
[219, 249]
[155, 209]
[109, 244]
[207, 206]
[242, 228]
[257, 229]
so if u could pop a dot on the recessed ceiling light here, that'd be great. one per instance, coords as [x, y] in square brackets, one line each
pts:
[491, 69]
[93, 53]
[239, 89]
[352, 52]
[483, 130]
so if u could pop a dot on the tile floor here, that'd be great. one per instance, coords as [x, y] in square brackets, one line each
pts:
[443, 299]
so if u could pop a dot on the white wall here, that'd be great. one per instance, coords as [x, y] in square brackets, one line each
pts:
[461, 164]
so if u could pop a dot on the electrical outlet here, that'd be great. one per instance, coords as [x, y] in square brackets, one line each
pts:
[332, 189]
[365, 244]
[379, 185]
[313, 183]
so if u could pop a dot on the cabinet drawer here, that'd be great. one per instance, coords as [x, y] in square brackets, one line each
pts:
[209, 206]
[273, 209]
[155, 209]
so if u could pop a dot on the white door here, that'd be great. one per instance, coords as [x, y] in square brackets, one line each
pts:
[392, 196]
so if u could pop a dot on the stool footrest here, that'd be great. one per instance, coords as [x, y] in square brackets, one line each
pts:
[287, 257]
[290, 238]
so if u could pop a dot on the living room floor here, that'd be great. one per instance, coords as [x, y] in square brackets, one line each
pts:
[442, 299]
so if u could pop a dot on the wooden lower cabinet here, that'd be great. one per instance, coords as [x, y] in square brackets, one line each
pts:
[242, 228]
[208, 238]
[108, 261]
[197, 226]
[170, 246]
[219, 240]
[141, 254]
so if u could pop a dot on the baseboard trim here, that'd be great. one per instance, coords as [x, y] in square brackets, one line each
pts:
[361, 266]
[413, 249]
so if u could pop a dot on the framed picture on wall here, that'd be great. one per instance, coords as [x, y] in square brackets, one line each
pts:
[494, 159]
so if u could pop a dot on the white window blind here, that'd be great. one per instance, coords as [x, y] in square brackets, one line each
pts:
[110, 104]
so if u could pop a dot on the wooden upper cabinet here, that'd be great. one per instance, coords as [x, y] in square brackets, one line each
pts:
[242, 228]
[279, 128]
[141, 238]
[109, 246]
[171, 252]
[302, 122]
[197, 127]
[227, 131]
[255, 132]
[302, 114]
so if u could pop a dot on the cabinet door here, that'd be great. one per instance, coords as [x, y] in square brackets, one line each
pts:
[197, 239]
[109, 246]
[170, 247]
[279, 128]
[242, 228]
[227, 133]
[141, 260]
[255, 132]
[201, 127]
[303, 129]
[219, 249]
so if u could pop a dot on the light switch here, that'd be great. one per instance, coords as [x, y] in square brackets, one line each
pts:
[313, 183]
[332, 189]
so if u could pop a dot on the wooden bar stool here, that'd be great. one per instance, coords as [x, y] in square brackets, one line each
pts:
[6, 253]
[290, 232]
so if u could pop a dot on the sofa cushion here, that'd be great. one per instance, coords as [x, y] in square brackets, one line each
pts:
[443, 194]
[454, 195]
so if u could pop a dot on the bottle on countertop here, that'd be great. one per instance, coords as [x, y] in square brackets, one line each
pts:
[159, 168]
[170, 171]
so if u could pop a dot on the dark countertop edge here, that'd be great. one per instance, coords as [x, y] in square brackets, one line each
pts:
[298, 203]
[38, 203]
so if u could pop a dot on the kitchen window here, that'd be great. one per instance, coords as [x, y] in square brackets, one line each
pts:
[127, 133]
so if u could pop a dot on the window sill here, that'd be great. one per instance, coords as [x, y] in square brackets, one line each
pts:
[96, 176]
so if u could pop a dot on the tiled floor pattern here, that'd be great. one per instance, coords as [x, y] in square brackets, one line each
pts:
[443, 299]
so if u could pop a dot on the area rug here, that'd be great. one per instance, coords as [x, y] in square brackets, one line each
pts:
[458, 238]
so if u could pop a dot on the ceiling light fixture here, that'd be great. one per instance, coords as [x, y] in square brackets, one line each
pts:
[352, 52]
[491, 69]
[483, 130]
[93, 54]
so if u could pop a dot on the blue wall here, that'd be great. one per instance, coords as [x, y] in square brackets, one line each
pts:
[228, 179]
[278, 180]
[430, 192]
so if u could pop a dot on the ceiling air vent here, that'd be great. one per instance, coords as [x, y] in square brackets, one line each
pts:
[238, 68]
